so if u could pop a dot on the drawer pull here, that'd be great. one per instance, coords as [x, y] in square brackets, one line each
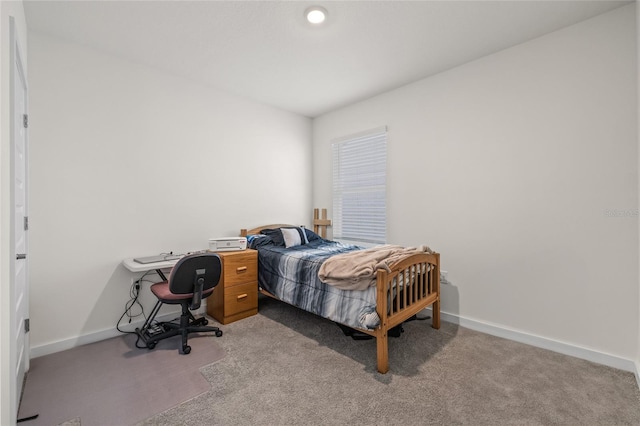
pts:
[241, 269]
[242, 296]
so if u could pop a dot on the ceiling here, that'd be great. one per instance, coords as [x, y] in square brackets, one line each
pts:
[266, 51]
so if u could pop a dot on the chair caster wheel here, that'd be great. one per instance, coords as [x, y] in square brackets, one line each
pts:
[205, 321]
[218, 333]
[185, 350]
[151, 346]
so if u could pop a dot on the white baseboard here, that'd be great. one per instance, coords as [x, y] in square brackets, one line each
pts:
[545, 343]
[63, 345]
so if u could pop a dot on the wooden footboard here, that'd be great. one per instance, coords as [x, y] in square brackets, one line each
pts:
[412, 285]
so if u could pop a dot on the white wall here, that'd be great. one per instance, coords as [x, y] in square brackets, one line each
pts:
[8, 399]
[128, 161]
[511, 166]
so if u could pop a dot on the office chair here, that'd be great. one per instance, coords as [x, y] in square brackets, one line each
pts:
[192, 279]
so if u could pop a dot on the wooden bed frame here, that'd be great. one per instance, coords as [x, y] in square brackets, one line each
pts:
[421, 274]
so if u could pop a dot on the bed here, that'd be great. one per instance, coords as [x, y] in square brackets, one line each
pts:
[404, 284]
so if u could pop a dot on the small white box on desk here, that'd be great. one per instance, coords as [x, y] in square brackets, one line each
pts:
[227, 244]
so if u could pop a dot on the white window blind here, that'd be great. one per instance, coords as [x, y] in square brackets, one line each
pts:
[359, 187]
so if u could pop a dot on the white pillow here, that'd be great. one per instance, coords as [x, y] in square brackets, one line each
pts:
[291, 237]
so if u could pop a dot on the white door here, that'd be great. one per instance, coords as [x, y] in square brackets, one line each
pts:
[20, 339]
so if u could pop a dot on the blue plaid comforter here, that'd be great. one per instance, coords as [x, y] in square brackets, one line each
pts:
[291, 274]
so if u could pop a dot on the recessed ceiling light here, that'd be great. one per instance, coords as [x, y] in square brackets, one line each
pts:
[316, 14]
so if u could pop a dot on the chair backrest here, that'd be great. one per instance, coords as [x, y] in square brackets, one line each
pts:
[195, 273]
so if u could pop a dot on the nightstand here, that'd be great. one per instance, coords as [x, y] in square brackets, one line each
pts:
[236, 295]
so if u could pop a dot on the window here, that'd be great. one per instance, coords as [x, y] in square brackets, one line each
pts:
[359, 187]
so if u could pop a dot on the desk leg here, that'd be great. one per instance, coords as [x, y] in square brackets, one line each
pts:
[143, 332]
[161, 274]
[151, 317]
[156, 308]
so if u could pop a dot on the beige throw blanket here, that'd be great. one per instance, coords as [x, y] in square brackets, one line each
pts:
[356, 270]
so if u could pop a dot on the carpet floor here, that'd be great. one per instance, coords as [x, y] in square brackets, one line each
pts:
[114, 383]
[287, 367]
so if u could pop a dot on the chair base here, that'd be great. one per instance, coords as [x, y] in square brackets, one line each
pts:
[151, 335]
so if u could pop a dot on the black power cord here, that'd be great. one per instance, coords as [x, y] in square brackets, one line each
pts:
[134, 294]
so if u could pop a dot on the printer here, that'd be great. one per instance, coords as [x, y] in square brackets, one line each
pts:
[227, 244]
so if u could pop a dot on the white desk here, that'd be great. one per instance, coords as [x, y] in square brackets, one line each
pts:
[134, 266]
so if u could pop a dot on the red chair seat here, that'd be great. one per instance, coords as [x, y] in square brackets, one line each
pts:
[162, 292]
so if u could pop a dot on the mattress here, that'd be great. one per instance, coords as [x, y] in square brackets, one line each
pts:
[291, 275]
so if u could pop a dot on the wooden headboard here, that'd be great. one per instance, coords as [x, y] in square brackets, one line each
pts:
[245, 232]
[319, 225]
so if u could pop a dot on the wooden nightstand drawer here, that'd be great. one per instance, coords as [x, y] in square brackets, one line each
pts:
[240, 269]
[240, 298]
[236, 295]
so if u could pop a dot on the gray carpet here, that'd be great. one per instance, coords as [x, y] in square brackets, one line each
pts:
[287, 367]
[114, 383]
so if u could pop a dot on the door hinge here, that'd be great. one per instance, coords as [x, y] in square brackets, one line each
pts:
[25, 120]
[26, 223]
[27, 325]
